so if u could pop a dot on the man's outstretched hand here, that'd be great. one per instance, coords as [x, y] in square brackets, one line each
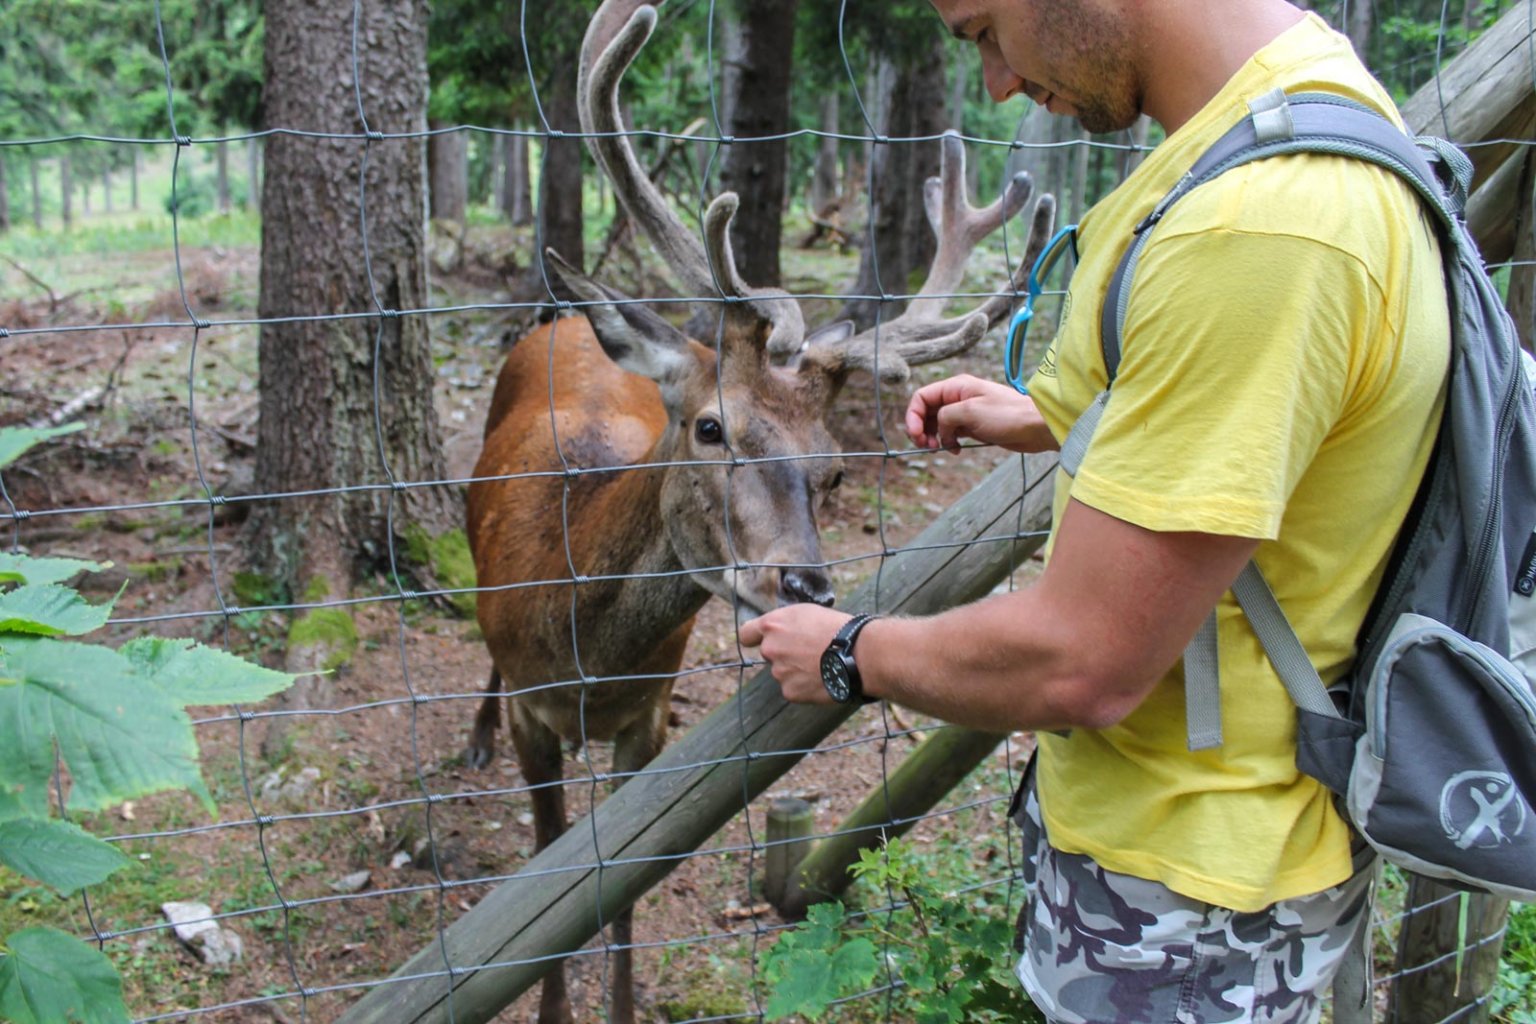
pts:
[944, 413]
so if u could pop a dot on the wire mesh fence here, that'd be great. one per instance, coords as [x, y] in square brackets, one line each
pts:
[353, 828]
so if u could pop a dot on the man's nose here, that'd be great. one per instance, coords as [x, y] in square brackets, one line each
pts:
[1000, 81]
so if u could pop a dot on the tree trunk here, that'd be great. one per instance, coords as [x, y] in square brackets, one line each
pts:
[106, 189]
[37, 196]
[66, 194]
[85, 197]
[133, 180]
[448, 174]
[755, 170]
[253, 174]
[824, 176]
[317, 377]
[499, 153]
[5, 198]
[221, 164]
[903, 241]
[560, 181]
[1359, 25]
[1080, 175]
[516, 202]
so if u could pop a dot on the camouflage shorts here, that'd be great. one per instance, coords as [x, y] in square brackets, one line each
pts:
[1100, 946]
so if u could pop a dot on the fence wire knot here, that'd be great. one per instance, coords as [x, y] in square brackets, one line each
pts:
[183, 140]
[390, 314]
[265, 820]
[374, 135]
[201, 324]
[4, 333]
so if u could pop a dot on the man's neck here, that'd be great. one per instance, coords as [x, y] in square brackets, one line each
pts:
[1194, 47]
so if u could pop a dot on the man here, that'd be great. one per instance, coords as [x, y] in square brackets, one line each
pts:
[1282, 378]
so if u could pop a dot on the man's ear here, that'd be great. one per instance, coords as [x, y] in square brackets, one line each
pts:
[631, 333]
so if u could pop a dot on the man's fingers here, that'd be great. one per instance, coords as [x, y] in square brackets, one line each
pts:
[751, 632]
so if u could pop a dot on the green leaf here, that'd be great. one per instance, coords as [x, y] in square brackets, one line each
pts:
[16, 440]
[58, 853]
[120, 736]
[50, 610]
[191, 674]
[48, 977]
[810, 979]
[21, 569]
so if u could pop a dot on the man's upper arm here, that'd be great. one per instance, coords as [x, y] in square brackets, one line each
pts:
[1130, 599]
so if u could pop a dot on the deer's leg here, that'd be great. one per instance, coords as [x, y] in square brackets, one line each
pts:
[538, 752]
[634, 748]
[482, 738]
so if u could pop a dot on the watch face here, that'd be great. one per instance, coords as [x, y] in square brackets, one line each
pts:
[834, 676]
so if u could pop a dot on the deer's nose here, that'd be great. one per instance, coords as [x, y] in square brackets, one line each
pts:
[797, 586]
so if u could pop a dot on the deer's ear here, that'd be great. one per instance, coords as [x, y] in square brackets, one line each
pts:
[631, 333]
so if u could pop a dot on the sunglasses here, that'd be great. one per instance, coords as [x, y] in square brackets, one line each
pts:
[1018, 327]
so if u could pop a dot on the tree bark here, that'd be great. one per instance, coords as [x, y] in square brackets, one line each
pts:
[515, 193]
[133, 181]
[106, 189]
[448, 174]
[221, 164]
[824, 176]
[37, 196]
[66, 193]
[322, 380]
[1358, 28]
[253, 174]
[5, 199]
[560, 181]
[755, 170]
[903, 241]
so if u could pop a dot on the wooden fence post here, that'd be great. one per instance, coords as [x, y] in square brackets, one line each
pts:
[1445, 969]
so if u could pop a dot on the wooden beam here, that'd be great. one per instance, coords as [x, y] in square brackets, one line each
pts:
[1483, 95]
[561, 897]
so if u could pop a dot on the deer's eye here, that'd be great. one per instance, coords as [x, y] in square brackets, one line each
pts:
[836, 481]
[708, 430]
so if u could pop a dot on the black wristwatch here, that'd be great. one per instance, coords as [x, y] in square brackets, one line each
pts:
[839, 672]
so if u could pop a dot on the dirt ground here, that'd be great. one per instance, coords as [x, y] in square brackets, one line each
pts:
[350, 797]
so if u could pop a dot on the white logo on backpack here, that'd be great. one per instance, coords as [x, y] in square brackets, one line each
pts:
[1481, 809]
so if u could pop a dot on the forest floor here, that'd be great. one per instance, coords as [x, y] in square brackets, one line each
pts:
[347, 794]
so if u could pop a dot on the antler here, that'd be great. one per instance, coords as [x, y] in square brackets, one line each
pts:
[921, 334]
[614, 36]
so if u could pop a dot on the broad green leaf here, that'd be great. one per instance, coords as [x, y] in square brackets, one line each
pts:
[22, 569]
[50, 611]
[192, 674]
[57, 853]
[811, 980]
[120, 736]
[16, 440]
[48, 977]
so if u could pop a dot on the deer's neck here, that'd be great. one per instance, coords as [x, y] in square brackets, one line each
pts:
[634, 578]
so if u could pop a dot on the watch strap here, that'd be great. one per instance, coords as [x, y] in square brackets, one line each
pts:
[846, 638]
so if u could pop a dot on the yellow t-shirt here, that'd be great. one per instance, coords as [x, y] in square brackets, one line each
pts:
[1283, 375]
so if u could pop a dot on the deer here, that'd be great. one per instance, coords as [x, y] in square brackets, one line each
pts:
[629, 472]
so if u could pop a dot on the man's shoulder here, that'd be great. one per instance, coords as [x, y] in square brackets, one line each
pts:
[1345, 205]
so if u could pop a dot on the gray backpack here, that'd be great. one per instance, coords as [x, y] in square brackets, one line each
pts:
[1430, 739]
